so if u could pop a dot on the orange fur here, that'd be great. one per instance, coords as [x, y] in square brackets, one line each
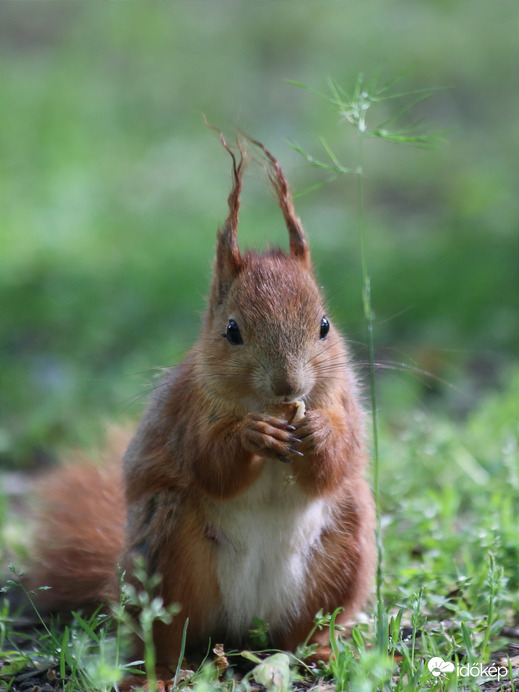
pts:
[210, 476]
[80, 537]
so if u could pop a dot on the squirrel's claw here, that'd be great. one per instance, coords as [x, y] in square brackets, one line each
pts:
[269, 436]
[313, 432]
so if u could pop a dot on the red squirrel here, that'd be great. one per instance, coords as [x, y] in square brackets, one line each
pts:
[244, 485]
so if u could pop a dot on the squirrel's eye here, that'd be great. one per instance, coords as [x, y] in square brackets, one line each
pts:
[325, 328]
[233, 334]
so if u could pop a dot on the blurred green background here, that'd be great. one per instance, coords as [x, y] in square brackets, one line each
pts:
[112, 190]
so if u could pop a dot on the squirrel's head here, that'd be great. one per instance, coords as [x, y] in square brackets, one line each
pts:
[267, 338]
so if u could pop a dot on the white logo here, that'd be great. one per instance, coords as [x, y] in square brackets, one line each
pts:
[437, 666]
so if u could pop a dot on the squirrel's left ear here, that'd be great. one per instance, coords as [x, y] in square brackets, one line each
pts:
[298, 245]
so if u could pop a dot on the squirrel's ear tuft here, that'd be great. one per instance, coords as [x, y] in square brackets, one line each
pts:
[229, 262]
[298, 244]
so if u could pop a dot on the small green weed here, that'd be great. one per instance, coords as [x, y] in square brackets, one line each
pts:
[150, 609]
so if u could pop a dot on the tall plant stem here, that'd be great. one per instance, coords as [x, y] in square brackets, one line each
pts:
[368, 315]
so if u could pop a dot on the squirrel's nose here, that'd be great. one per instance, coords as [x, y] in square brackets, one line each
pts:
[284, 387]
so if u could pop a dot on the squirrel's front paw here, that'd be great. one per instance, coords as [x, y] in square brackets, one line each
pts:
[270, 437]
[313, 432]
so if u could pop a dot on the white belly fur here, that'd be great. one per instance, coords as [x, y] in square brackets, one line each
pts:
[264, 541]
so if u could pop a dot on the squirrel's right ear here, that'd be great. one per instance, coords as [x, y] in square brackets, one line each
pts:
[229, 262]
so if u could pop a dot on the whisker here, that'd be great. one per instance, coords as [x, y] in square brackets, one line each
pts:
[404, 367]
[134, 398]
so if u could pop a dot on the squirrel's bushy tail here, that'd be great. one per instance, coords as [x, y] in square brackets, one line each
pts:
[80, 534]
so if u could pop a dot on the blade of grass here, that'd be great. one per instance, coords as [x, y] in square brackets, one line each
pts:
[181, 655]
